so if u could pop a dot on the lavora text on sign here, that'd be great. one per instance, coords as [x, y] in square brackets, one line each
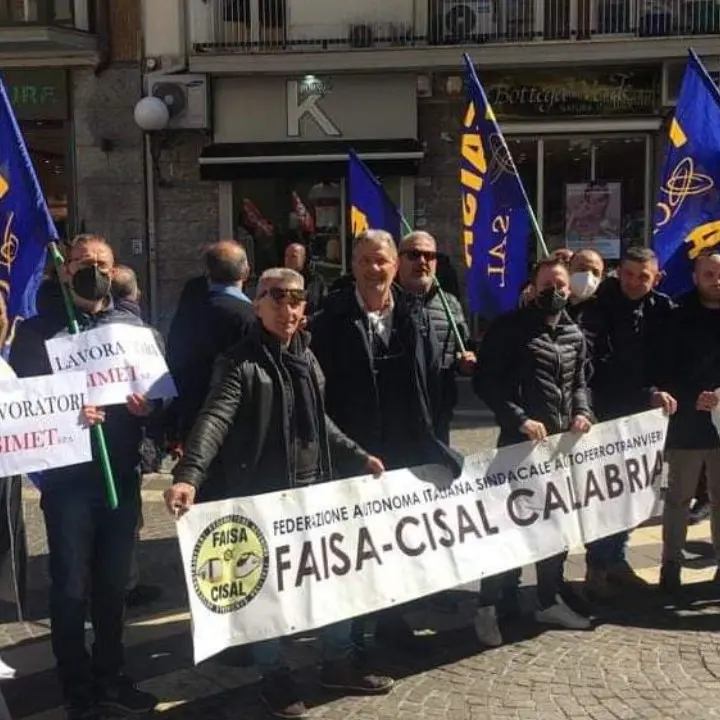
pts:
[300, 105]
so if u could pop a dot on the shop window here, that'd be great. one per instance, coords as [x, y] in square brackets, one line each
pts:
[622, 160]
[594, 193]
[525, 156]
[567, 163]
[47, 144]
[272, 212]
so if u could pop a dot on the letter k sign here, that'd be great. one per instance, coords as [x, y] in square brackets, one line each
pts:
[297, 110]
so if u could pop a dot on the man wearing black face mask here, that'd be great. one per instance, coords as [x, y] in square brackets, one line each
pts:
[531, 374]
[90, 545]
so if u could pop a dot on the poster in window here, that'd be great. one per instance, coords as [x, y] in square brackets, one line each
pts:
[593, 217]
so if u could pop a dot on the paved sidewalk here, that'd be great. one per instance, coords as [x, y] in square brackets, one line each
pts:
[641, 661]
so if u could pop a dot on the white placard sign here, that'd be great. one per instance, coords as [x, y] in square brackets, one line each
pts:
[287, 562]
[40, 423]
[119, 360]
[5, 370]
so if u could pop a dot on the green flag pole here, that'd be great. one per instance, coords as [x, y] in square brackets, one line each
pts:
[443, 298]
[97, 430]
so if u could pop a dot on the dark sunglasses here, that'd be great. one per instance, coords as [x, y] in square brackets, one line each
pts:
[293, 297]
[416, 255]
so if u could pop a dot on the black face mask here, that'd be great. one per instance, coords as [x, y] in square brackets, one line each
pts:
[89, 283]
[550, 302]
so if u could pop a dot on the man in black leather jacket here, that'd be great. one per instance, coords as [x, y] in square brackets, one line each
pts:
[263, 427]
[531, 374]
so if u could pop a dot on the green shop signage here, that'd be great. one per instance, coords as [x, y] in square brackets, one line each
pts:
[37, 94]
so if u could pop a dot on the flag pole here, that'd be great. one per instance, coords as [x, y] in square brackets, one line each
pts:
[97, 430]
[441, 294]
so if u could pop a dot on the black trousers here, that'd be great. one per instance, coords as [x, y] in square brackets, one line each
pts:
[89, 544]
[550, 577]
[13, 547]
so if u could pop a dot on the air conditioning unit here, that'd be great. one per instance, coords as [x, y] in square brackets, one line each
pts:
[187, 98]
[467, 20]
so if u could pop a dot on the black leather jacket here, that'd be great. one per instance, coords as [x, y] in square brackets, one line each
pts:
[529, 370]
[241, 442]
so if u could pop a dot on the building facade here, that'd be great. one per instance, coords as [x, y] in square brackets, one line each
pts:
[73, 74]
[271, 94]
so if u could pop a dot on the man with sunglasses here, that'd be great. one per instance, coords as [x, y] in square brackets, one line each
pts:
[416, 273]
[239, 446]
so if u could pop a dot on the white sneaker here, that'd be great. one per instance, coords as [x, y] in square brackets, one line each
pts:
[6, 672]
[486, 627]
[560, 614]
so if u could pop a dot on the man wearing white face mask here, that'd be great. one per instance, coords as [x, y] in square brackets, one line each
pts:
[586, 272]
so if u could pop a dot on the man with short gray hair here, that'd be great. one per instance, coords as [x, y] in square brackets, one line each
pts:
[382, 363]
[239, 446]
[416, 274]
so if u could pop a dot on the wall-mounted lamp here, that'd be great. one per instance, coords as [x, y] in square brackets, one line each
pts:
[151, 114]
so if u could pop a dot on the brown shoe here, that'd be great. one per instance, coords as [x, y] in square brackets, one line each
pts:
[280, 695]
[344, 675]
[625, 577]
[597, 585]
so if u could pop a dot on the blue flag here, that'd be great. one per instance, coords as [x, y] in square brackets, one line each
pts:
[26, 226]
[687, 212]
[495, 213]
[370, 207]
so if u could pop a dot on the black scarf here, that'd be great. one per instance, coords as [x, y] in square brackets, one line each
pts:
[306, 410]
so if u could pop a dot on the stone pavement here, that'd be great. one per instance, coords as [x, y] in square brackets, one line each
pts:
[640, 661]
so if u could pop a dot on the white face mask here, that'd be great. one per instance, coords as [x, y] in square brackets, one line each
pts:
[583, 284]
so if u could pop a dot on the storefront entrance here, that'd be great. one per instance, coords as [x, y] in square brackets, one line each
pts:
[269, 213]
[589, 190]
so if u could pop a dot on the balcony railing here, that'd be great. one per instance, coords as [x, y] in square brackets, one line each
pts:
[71, 14]
[297, 25]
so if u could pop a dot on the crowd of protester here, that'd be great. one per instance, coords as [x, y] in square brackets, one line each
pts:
[306, 384]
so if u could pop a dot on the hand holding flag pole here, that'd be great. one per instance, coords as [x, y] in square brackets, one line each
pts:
[97, 430]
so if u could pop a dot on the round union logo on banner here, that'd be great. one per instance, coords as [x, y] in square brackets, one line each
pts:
[230, 564]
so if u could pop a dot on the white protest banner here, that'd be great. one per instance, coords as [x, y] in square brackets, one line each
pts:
[288, 562]
[40, 423]
[119, 360]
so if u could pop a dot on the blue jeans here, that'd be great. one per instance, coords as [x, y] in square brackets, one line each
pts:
[336, 641]
[608, 551]
[91, 548]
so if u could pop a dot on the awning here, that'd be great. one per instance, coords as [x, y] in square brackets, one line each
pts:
[233, 161]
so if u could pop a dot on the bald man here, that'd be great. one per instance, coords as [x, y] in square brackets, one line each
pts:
[222, 318]
[125, 289]
[315, 285]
